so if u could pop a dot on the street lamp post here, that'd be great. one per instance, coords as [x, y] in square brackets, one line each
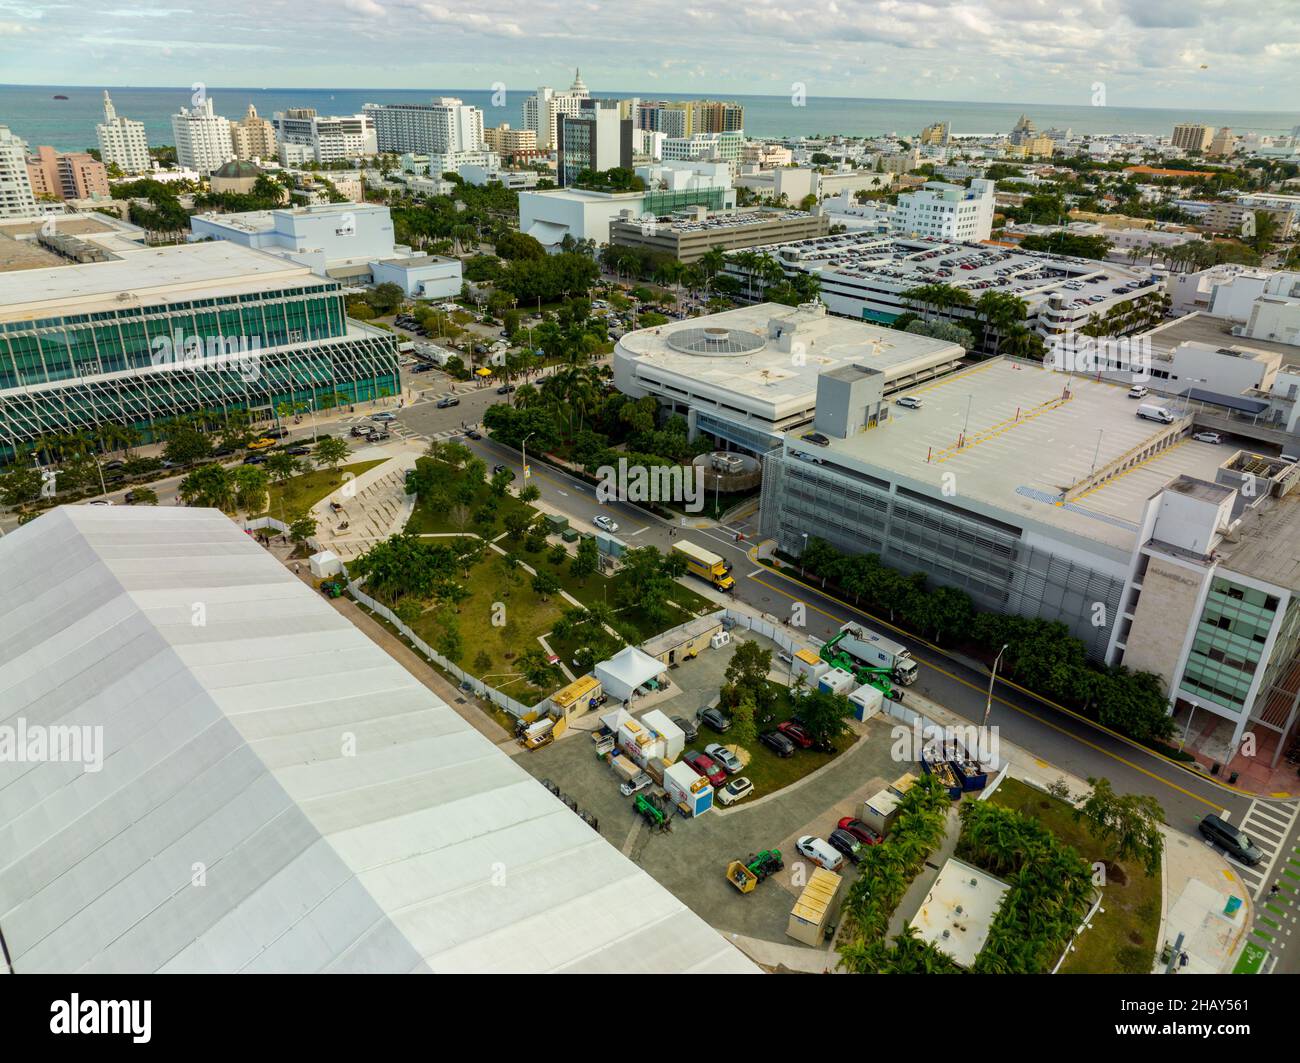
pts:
[801, 553]
[988, 701]
[523, 451]
[1193, 705]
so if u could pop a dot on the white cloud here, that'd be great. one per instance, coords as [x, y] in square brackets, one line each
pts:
[1150, 51]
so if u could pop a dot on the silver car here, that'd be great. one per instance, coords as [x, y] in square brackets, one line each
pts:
[729, 761]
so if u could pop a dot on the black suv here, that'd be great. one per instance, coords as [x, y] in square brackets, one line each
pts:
[815, 438]
[1232, 840]
[777, 743]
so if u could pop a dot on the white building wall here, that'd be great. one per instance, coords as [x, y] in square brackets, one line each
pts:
[122, 141]
[16, 197]
[202, 138]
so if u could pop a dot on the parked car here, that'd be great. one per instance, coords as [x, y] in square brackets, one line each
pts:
[503, 468]
[383, 417]
[446, 401]
[738, 788]
[908, 402]
[724, 756]
[605, 523]
[777, 743]
[846, 843]
[261, 444]
[859, 830]
[819, 852]
[796, 733]
[99, 502]
[254, 459]
[816, 438]
[360, 430]
[275, 433]
[703, 764]
[298, 452]
[1233, 840]
[505, 389]
[716, 719]
[1137, 391]
[1207, 437]
[687, 728]
[635, 784]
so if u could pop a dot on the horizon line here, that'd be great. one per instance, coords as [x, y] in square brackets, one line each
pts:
[622, 94]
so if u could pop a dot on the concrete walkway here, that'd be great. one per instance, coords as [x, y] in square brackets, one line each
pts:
[374, 504]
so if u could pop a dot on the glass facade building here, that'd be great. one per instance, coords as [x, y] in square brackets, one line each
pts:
[1228, 644]
[140, 363]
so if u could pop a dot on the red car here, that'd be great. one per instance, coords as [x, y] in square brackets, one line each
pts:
[705, 765]
[796, 734]
[859, 830]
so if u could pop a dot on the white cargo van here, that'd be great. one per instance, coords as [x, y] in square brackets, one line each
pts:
[1151, 412]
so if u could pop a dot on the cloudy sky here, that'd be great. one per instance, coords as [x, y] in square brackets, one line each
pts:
[1161, 53]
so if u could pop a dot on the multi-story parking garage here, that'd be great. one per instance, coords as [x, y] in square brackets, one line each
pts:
[165, 331]
[1042, 493]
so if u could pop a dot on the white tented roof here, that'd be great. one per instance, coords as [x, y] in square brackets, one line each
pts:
[276, 793]
[626, 671]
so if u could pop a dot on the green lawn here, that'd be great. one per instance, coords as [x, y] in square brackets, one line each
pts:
[300, 493]
[490, 650]
[1123, 938]
[525, 617]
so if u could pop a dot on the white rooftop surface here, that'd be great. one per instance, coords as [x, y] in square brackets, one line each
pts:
[955, 915]
[770, 375]
[428, 849]
[183, 272]
[1025, 447]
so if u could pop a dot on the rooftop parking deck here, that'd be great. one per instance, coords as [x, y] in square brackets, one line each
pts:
[1014, 436]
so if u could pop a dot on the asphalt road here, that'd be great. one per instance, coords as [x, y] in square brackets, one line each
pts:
[1060, 738]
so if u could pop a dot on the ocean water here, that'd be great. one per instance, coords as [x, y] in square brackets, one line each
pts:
[33, 113]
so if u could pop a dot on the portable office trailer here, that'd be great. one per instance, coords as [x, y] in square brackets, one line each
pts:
[815, 909]
[866, 701]
[674, 741]
[688, 790]
[879, 811]
[836, 681]
[810, 666]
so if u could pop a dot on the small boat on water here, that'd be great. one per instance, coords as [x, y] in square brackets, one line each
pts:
[58, 97]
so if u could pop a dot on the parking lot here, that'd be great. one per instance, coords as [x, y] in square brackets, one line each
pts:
[691, 859]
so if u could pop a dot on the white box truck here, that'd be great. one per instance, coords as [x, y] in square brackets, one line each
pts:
[871, 649]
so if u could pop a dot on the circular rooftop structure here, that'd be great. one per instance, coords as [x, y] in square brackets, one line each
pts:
[715, 340]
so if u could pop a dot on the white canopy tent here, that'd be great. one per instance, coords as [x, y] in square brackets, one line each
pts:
[627, 670]
[344, 813]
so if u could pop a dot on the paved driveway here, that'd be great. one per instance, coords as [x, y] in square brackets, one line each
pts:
[692, 858]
